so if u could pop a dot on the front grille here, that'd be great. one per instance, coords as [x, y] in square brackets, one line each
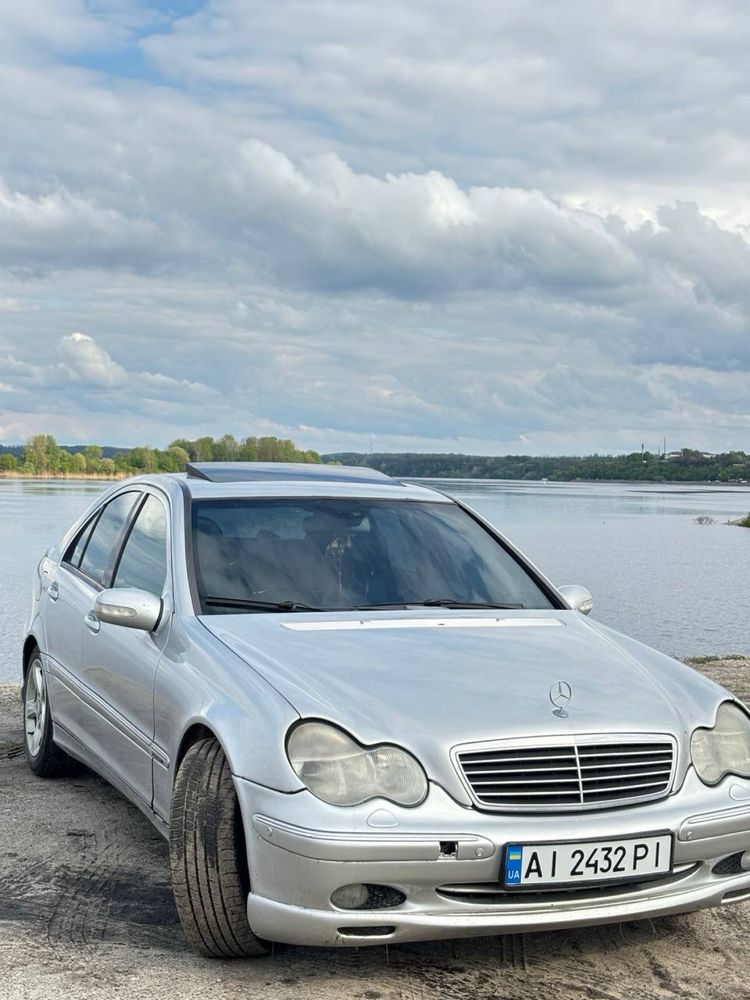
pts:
[577, 774]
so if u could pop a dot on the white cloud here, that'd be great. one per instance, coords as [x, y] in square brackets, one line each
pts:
[626, 101]
[61, 229]
[86, 362]
[476, 226]
[57, 24]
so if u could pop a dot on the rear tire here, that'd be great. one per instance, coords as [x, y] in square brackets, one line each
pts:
[44, 757]
[208, 857]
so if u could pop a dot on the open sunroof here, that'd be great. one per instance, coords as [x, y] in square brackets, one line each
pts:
[244, 472]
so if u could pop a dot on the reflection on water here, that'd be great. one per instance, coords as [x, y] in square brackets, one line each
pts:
[655, 574]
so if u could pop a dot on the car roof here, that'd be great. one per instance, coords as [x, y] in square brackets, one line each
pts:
[213, 480]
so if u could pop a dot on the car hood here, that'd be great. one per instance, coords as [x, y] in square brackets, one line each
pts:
[432, 680]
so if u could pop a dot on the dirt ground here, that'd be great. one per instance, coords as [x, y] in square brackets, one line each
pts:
[86, 911]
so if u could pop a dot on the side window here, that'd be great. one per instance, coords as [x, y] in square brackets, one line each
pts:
[143, 563]
[78, 546]
[100, 549]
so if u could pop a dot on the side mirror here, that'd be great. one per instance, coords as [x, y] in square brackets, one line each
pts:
[129, 607]
[579, 598]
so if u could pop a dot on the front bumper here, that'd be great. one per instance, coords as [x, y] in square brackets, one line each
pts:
[446, 859]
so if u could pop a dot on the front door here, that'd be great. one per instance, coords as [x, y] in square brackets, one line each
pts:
[119, 664]
[70, 588]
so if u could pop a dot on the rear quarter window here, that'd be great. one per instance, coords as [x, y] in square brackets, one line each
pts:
[77, 547]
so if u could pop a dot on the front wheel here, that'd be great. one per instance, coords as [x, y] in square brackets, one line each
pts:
[208, 857]
[45, 758]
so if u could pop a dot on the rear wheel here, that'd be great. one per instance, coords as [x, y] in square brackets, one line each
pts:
[45, 758]
[208, 857]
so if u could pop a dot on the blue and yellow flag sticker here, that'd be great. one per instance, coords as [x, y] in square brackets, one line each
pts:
[513, 857]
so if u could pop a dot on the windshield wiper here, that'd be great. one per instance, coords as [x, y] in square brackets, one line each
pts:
[435, 602]
[444, 602]
[241, 602]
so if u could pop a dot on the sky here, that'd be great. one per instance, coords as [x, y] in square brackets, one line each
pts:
[404, 225]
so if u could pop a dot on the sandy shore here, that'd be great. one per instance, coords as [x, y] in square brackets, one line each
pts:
[86, 911]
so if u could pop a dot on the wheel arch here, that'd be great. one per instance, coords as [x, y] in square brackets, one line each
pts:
[30, 646]
[195, 732]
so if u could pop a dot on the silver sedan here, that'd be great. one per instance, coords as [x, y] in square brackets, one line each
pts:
[361, 716]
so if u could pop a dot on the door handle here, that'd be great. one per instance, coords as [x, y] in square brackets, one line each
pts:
[91, 622]
[53, 591]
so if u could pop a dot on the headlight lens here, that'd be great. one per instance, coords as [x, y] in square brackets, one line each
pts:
[338, 770]
[725, 749]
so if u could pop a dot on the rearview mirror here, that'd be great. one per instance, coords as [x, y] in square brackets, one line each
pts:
[129, 607]
[579, 598]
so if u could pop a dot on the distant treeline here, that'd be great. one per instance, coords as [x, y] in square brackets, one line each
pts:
[43, 456]
[687, 465]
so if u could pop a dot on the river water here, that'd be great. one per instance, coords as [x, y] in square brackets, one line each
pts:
[655, 573]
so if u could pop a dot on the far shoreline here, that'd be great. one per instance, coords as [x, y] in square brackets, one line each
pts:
[80, 476]
[739, 485]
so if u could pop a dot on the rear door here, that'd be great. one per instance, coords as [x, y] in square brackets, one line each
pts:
[118, 663]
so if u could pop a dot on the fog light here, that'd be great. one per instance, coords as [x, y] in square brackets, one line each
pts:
[350, 897]
[733, 865]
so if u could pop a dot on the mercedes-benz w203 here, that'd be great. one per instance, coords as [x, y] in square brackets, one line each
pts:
[361, 716]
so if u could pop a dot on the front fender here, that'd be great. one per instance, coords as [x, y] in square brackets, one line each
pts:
[34, 638]
[201, 682]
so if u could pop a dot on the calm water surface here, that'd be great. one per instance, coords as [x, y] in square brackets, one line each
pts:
[655, 574]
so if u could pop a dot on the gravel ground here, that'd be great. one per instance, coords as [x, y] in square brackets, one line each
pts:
[86, 911]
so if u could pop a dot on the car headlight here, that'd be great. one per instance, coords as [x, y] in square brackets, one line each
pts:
[725, 749]
[339, 770]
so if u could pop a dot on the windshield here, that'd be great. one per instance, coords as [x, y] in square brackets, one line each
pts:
[334, 554]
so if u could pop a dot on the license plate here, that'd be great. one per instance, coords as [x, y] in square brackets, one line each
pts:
[632, 859]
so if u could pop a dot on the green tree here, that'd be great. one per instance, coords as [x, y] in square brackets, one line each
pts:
[203, 449]
[41, 455]
[226, 449]
[93, 456]
[249, 450]
[268, 449]
[179, 458]
[171, 460]
[185, 445]
[142, 459]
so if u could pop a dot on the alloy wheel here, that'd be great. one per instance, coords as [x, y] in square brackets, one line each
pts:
[35, 711]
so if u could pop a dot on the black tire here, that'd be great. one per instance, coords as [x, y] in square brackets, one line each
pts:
[208, 858]
[44, 757]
